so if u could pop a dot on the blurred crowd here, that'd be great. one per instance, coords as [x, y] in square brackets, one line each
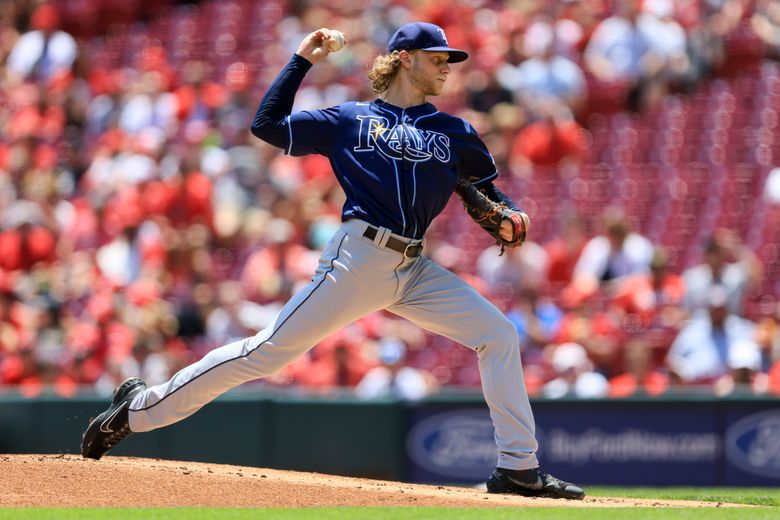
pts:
[141, 224]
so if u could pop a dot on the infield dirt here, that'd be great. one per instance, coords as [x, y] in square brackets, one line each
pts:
[70, 481]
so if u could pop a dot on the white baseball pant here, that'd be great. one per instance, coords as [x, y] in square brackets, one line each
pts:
[357, 276]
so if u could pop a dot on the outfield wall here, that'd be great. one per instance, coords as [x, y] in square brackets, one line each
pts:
[660, 441]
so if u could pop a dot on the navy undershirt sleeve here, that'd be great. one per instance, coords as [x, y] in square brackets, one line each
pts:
[270, 123]
[477, 166]
[496, 195]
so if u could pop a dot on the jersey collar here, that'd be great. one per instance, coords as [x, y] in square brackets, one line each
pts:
[413, 112]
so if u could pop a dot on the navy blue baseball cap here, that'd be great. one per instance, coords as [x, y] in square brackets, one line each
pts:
[426, 37]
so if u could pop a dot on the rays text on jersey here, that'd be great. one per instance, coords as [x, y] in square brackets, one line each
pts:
[401, 142]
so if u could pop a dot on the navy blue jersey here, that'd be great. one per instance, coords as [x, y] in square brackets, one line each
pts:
[398, 166]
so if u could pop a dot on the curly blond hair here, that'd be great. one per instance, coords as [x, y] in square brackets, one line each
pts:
[383, 70]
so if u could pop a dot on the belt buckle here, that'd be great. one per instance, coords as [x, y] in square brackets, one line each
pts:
[412, 250]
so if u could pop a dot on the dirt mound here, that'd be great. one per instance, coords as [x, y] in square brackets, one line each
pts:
[70, 481]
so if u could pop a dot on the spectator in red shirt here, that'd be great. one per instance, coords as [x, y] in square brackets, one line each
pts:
[338, 362]
[25, 245]
[554, 137]
[640, 376]
[651, 305]
[599, 330]
[564, 250]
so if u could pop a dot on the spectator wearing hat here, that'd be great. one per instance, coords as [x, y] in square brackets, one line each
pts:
[393, 378]
[575, 374]
[745, 373]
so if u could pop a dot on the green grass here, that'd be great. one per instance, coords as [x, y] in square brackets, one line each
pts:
[393, 514]
[767, 498]
[751, 496]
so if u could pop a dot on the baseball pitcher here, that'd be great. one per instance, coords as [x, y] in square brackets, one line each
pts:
[398, 160]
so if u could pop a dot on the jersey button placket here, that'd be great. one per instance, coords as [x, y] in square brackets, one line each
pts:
[402, 179]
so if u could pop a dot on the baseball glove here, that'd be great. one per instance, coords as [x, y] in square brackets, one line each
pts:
[490, 215]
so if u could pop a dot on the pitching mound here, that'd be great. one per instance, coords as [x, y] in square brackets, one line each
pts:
[70, 481]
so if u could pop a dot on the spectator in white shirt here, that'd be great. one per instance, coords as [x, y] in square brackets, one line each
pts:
[713, 344]
[616, 253]
[621, 51]
[545, 74]
[44, 53]
[575, 374]
[667, 38]
[392, 378]
[728, 263]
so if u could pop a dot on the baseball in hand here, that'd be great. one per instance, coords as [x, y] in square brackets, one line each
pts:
[336, 41]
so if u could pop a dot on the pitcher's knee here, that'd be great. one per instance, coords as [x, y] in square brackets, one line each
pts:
[501, 335]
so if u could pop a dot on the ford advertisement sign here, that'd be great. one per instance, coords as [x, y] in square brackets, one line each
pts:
[752, 444]
[672, 443]
[452, 446]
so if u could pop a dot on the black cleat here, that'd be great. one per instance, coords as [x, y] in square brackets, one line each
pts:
[532, 483]
[112, 426]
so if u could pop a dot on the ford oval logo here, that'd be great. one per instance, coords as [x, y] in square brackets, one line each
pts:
[753, 444]
[456, 444]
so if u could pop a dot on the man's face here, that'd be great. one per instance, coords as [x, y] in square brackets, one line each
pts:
[718, 315]
[616, 237]
[429, 71]
[715, 260]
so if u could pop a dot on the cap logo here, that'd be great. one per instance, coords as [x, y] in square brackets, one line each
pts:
[425, 36]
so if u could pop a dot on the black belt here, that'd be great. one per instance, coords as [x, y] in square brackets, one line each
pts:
[408, 250]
